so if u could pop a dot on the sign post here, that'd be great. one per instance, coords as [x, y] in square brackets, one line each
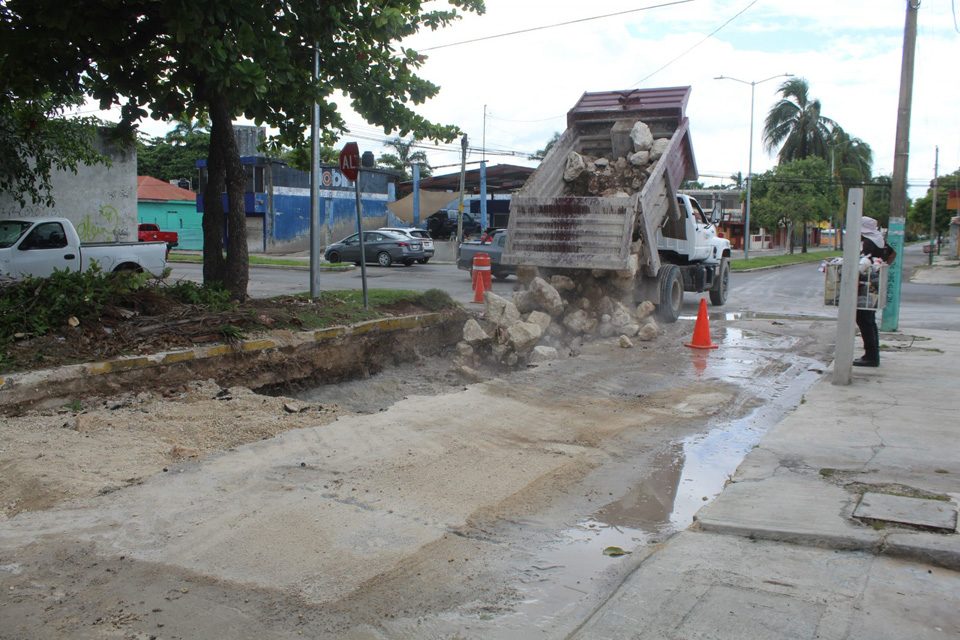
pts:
[350, 167]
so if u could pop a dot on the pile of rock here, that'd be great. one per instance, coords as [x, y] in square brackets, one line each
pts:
[633, 157]
[550, 316]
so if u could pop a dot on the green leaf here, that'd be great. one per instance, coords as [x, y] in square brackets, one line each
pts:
[615, 552]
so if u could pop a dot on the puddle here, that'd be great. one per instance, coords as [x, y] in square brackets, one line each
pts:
[684, 477]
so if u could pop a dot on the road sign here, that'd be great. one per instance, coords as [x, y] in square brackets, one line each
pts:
[350, 161]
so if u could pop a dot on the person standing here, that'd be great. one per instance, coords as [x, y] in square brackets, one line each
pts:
[872, 246]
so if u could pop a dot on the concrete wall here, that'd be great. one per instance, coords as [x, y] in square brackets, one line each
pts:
[100, 201]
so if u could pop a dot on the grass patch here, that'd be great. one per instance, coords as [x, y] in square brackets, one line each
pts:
[776, 261]
[258, 260]
[346, 307]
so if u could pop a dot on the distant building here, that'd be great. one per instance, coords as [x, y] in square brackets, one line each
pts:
[172, 208]
[277, 203]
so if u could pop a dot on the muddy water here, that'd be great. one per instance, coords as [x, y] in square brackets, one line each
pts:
[684, 476]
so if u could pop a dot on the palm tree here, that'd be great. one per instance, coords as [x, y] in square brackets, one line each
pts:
[404, 158]
[851, 158]
[795, 125]
[187, 127]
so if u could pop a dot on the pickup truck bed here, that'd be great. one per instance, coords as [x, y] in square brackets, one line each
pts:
[494, 249]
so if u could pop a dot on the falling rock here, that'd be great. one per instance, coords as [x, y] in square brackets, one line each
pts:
[575, 167]
[523, 336]
[562, 283]
[500, 351]
[641, 136]
[645, 309]
[554, 332]
[547, 297]
[525, 300]
[526, 274]
[625, 342]
[499, 310]
[640, 158]
[607, 330]
[540, 318]
[621, 315]
[630, 330]
[620, 164]
[648, 331]
[465, 350]
[541, 353]
[473, 333]
[659, 147]
[579, 321]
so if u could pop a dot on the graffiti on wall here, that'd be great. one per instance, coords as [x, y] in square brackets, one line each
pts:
[102, 227]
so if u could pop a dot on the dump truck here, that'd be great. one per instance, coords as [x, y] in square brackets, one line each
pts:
[605, 198]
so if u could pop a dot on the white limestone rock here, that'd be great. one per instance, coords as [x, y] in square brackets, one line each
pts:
[641, 136]
[625, 342]
[645, 309]
[499, 310]
[575, 167]
[659, 147]
[542, 353]
[473, 333]
[540, 318]
[547, 297]
[523, 336]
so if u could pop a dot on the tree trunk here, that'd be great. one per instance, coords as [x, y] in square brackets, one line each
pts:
[804, 243]
[223, 147]
[214, 266]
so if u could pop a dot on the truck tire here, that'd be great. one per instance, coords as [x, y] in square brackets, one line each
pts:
[670, 287]
[718, 294]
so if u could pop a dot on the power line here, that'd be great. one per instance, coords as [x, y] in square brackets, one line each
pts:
[559, 24]
[713, 33]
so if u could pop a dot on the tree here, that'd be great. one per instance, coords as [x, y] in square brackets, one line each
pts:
[919, 214]
[36, 140]
[794, 194]
[166, 159]
[228, 58]
[876, 199]
[542, 153]
[404, 159]
[299, 157]
[795, 124]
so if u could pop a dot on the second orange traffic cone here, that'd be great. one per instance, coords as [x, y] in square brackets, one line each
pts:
[478, 290]
[701, 331]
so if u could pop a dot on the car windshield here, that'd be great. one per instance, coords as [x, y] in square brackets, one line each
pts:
[11, 231]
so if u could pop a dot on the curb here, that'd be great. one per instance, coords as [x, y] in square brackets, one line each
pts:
[18, 387]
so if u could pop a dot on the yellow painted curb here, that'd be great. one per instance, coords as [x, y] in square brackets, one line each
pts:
[170, 358]
[118, 365]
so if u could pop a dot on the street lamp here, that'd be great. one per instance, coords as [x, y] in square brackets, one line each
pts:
[746, 226]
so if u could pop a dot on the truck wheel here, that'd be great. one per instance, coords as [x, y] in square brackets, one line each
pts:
[718, 294]
[334, 257]
[670, 285]
[384, 259]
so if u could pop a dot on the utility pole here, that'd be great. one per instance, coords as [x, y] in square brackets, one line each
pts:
[898, 194]
[315, 184]
[463, 178]
[933, 212]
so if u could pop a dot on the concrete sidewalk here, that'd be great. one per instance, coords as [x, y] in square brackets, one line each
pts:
[810, 539]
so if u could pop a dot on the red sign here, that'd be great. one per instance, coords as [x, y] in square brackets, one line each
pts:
[350, 161]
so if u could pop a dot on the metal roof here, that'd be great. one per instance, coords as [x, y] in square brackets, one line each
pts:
[501, 178]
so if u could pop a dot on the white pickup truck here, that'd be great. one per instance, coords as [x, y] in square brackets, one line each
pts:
[37, 246]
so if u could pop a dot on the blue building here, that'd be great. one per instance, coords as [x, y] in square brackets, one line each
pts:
[277, 203]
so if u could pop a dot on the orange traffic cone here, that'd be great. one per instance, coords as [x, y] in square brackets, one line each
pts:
[701, 332]
[478, 290]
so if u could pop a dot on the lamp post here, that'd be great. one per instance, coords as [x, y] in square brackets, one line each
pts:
[746, 224]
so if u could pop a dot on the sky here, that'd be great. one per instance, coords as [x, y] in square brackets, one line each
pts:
[511, 93]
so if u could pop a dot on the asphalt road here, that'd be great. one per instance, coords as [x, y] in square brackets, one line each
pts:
[791, 291]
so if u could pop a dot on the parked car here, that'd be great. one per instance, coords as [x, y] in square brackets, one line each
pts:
[443, 225]
[382, 247]
[39, 246]
[416, 234]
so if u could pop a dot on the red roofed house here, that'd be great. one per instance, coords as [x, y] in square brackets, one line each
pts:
[172, 209]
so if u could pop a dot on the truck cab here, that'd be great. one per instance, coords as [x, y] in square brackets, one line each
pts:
[692, 239]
